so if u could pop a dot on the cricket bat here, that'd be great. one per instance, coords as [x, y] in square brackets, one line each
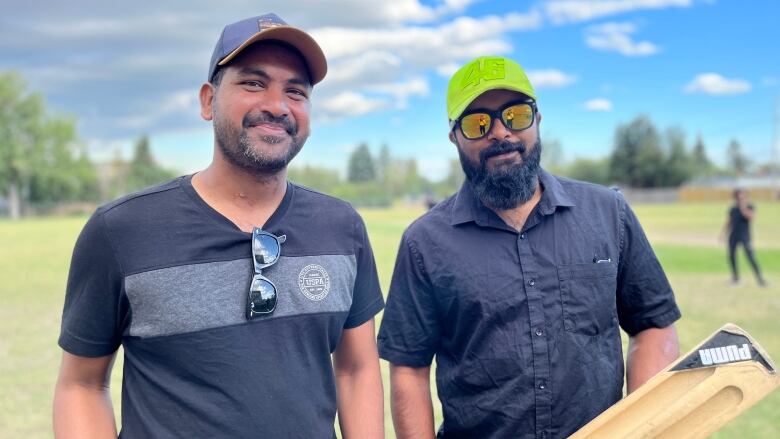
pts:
[694, 396]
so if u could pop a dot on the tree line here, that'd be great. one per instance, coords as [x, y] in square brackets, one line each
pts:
[377, 180]
[644, 157]
[43, 163]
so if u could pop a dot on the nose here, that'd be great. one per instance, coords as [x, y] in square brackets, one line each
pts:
[499, 131]
[274, 102]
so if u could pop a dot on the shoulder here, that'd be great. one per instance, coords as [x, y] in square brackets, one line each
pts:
[312, 201]
[582, 190]
[583, 198]
[432, 222]
[135, 206]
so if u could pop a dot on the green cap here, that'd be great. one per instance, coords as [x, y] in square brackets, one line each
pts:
[483, 74]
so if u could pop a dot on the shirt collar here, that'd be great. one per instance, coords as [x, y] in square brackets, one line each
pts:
[467, 207]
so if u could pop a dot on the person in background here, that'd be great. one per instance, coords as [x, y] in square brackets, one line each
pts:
[737, 229]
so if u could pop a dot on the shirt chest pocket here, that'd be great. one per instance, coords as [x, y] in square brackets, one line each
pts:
[588, 296]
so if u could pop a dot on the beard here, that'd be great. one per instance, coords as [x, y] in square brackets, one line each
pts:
[506, 185]
[243, 152]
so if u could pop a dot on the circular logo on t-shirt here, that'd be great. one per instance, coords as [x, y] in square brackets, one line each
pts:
[314, 282]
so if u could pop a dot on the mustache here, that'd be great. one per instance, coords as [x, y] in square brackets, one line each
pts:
[252, 119]
[502, 147]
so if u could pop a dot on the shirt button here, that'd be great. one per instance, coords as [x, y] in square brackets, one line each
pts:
[542, 385]
[531, 282]
[522, 236]
[539, 332]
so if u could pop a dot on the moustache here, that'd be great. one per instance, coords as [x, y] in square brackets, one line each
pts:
[503, 147]
[252, 119]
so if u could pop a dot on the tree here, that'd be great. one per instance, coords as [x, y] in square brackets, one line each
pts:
[552, 155]
[699, 160]
[37, 150]
[361, 165]
[591, 170]
[60, 175]
[737, 161]
[454, 179]
[678, 167]
[143, 170]
[317, 178]
[383, 163]
[637, 158]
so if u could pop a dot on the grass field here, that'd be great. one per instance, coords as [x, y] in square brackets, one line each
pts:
[35, 253]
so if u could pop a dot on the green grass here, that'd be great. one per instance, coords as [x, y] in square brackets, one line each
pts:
[35, 253]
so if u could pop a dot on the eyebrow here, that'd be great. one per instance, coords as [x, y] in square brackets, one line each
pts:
[253, 71]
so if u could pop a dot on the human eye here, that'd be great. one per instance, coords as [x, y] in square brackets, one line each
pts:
[297, 94]
[253, 84]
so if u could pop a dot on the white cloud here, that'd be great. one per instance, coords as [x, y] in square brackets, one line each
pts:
[598, 104]
[347, 103]
[550, 78]
[379, 62]
[183, 102]
[567, 11]
[402, 91]
[447, 70]
[616, 37]
[715, 84]
[460, 39]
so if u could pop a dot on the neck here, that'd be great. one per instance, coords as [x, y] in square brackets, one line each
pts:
[517, 216]
[247, 199]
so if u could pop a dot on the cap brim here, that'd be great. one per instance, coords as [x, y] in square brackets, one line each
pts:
[461, 107]
[310, 50]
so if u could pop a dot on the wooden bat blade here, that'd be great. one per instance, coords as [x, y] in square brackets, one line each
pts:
[695, 395]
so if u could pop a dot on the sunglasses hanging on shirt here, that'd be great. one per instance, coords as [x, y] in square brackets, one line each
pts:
[266, 249]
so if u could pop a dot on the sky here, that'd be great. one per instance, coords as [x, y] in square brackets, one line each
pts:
[124, 69]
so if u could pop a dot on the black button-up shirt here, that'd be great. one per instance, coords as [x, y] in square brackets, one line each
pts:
[524, 325]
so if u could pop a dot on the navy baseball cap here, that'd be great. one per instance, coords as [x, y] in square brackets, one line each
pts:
[239, 35]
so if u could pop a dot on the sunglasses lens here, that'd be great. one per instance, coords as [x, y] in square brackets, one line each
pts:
[265, 249]
[262, 297]
[518, 117]
[475, 125]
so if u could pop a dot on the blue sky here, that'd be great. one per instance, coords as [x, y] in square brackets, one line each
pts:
[711, 67]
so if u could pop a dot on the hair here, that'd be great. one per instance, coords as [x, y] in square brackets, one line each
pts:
[216, 79]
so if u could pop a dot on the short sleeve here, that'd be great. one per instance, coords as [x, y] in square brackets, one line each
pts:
[409, 333]
[367, 294]
[644, 297]
[93, 314]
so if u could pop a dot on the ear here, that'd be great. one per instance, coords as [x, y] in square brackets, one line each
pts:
[538, 118]
[207, 91]
[452, 137]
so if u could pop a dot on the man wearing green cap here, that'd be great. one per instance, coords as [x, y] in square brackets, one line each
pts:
[519, 284]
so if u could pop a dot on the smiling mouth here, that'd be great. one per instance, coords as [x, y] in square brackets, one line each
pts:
[270, 129]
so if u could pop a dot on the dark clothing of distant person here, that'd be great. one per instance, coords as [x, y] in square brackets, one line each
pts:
[739, 233]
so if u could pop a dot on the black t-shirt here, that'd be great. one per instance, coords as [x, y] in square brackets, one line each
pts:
[524, 326]
[167, 277]
[740, 226]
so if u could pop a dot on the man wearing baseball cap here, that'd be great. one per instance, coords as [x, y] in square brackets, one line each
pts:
[244, 303]
[518, 285]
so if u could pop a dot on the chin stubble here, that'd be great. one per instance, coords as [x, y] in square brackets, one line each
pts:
[241, 151]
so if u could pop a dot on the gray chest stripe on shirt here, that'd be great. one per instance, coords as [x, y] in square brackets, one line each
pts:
[191, 298]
